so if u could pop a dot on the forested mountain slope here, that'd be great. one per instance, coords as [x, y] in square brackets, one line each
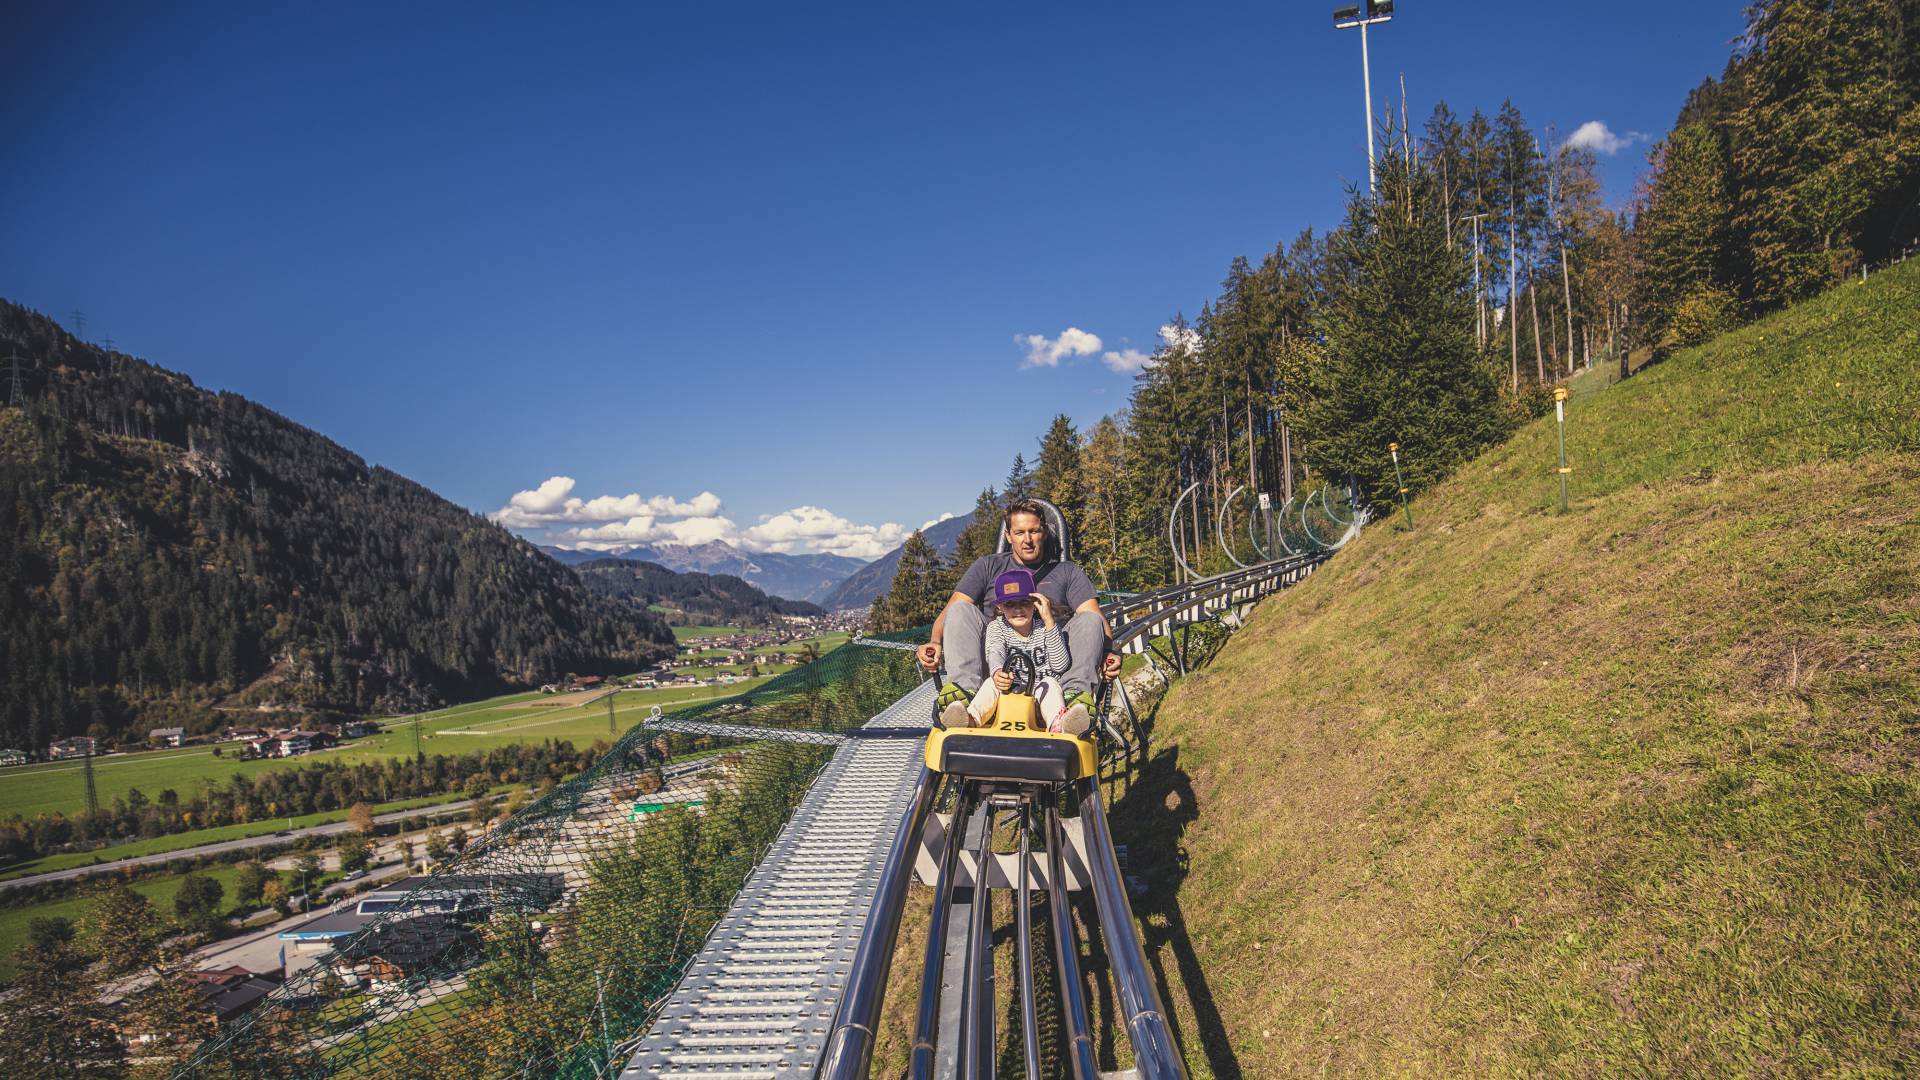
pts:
[695, 599]
[164, 548]
[871, 581]
[1625, 791]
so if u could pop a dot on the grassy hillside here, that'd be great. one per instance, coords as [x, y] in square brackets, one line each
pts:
[1625, 791]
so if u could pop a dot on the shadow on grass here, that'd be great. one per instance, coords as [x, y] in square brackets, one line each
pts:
[1151, 818]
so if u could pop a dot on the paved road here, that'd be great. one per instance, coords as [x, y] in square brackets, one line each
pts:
[444, 810]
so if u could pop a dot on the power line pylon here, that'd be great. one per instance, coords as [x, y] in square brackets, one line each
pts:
[17, 393]
[93, 796]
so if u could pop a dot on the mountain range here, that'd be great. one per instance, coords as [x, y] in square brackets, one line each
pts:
[872, 581]
[792, 577]
[167, 551]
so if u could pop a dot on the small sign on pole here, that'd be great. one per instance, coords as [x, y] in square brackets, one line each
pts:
[1394, 449]
[1560, 425]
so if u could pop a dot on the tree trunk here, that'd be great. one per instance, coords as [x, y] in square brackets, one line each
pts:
[1533, 301]
[1513, 295]
[1566, 290]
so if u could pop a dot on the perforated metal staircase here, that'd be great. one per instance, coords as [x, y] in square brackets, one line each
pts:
[758, 1000]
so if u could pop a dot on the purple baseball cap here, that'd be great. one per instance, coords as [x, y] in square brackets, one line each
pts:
[1015, 584]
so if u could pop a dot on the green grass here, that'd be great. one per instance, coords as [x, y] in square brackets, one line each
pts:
[14, 921]
[183, 841]
[690, 633]
[481, 725]
[1619, 792]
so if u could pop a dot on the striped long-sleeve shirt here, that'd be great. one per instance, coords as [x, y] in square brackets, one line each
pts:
[1046, 646]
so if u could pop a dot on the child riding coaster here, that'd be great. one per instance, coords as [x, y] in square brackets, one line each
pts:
[1016, 604]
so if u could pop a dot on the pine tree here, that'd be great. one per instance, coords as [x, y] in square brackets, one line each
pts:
[1058, 478]
[1824, 138]
[982, 534]
[1019, 483]
[919, 590]
[1685, 233]
[1103, 549]
[1399, 363]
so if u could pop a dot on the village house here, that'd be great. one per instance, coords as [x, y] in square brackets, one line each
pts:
[167, 736]
[389, 954]
[231, 991]
[243, 734]
[12, 757]
[77, 746]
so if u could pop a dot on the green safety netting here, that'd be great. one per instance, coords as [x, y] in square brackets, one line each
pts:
[545, 947]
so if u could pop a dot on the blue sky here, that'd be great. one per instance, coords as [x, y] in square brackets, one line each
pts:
[787, 256]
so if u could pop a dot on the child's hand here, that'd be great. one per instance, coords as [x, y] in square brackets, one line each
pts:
[1002, 681]
[1045, 608]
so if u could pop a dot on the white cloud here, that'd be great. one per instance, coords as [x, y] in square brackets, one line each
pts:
[1180, 337]
[812, 528]
[1042, 352]
[1597, 137]
[1126, 361]
[938, 520]
[551, 514]
[553, 501]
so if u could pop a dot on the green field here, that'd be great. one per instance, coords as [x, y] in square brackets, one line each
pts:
[182, 841]
[61, 786]
[689, 633]
[15, 920]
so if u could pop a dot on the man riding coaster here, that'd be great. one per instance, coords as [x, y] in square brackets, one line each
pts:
[959, 631]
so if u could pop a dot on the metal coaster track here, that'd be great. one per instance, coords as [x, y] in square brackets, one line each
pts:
[791, 982]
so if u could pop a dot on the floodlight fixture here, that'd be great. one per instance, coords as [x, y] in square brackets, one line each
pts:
[1363, 15]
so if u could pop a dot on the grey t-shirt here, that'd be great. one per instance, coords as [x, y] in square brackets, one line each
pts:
[1065, 585]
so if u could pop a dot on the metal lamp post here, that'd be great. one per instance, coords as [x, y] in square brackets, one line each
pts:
[1363, 15]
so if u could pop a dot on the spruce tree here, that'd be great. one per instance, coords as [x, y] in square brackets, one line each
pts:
[1019, 480]
[1685, 237]
[1399, 364]
[1058, 478]
[982, 534]
[919, 587]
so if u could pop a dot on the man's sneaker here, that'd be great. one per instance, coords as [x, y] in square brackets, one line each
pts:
[1074, 721]
[951, 693]
[955, 715]
[1082, 698]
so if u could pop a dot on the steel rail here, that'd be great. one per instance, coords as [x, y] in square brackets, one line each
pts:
[975, 1058]
[922, 1058]
[1066, 956]
[1155, 1055]
[1023, 938]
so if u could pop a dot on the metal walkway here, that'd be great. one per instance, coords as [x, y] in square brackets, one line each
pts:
[758, 1001]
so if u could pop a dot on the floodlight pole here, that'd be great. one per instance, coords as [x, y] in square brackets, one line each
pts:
[1363, 17]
